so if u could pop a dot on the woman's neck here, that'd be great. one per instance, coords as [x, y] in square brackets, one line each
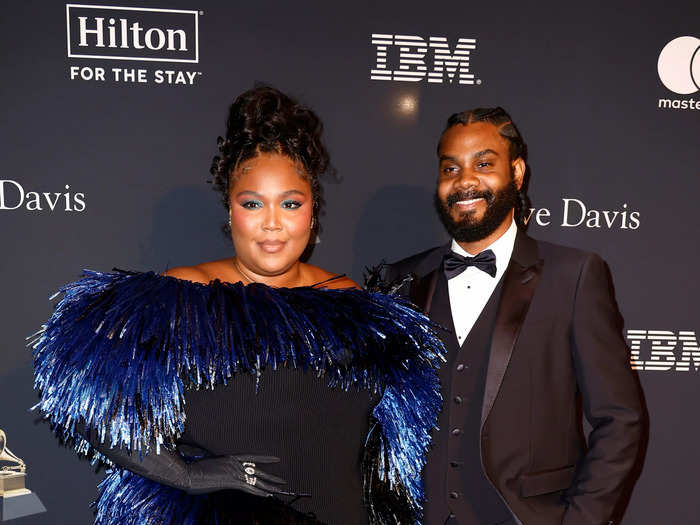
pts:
[289, 278]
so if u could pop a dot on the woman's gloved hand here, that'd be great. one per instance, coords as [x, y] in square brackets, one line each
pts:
[240, 472]
[195, 476]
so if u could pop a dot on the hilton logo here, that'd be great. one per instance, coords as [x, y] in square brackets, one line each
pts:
[663, 350]
[131, 33]
[412, 53]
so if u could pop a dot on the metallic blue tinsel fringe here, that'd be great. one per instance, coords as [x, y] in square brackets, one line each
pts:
[121, 348]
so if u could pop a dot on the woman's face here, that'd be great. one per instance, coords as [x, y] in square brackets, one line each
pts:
[271, 209]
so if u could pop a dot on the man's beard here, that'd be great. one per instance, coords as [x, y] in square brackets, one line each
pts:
[470, 229]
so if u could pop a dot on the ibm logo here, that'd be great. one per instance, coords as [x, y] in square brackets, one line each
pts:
[132, 33]
[662, 351]
[412, 55]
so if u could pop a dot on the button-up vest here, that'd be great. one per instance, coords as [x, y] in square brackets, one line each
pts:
[457, 490]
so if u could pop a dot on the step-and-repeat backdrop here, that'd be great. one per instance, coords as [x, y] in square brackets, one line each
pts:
[110, 119]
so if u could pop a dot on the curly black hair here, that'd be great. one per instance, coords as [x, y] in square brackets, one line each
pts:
[265, 120]
[517, 148]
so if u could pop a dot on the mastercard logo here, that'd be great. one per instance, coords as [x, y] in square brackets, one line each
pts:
[679, 65]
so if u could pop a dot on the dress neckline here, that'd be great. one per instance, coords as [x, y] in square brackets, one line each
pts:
[340, 276]
[225, 283]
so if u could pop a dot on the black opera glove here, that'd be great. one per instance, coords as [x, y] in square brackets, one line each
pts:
[201, 476]
[239, 472]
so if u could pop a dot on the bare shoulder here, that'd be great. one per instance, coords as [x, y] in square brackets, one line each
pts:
[319, 275]
[204, 272]
[342, 282]
[189, 273]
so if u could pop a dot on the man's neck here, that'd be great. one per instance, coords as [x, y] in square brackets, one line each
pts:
[479, 246]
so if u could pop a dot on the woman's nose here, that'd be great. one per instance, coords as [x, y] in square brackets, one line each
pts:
[272, 220]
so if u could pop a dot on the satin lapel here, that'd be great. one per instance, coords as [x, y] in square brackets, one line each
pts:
[519, 284]
[423, 290]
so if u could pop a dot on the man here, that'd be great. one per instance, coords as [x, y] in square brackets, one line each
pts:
[533, 333]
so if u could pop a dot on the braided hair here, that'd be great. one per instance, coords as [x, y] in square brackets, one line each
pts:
[517, 148]
[265, 120]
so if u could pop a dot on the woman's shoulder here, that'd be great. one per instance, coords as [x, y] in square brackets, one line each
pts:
[202, 273]
[322, 278]
[223, 270]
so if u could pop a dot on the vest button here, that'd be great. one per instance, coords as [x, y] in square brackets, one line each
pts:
[460, 367]
[458, 400]
[456, 432]
[454, 495]
[452, 516]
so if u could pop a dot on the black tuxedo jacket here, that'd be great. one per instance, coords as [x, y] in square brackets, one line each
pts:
[556, 347]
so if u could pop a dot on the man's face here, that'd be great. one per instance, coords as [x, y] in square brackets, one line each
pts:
[477, 183]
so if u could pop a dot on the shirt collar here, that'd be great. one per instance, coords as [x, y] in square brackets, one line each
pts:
[501, 247]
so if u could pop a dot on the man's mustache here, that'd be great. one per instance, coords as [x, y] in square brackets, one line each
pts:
[454, 198]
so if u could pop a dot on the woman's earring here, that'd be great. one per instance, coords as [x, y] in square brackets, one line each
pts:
[313, 222]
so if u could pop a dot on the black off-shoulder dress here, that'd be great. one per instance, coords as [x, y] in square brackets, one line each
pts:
[340, 385]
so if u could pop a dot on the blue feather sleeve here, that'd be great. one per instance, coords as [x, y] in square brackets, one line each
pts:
[121, 348]
[105, 358]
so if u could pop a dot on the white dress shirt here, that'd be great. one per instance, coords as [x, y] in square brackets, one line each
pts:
[471, 289]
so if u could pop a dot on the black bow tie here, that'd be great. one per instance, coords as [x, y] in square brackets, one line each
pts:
[453, 263]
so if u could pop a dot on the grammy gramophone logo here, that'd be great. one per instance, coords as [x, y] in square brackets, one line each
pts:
[16, 500]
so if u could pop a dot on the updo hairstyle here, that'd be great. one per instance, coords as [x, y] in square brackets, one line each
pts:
[265, 120]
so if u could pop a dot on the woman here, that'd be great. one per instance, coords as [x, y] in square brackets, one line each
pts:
[240, 390]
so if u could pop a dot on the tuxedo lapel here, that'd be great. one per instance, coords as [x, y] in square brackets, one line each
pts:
[423, 288]
[519, 284]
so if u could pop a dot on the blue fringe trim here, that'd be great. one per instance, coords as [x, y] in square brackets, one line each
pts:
[406, 414]
[128, 499]
[121, 348]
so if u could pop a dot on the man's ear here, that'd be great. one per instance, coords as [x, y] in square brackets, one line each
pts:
[519, 168]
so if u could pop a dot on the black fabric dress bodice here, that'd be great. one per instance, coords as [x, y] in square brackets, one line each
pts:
[133, 365]
[296, 417]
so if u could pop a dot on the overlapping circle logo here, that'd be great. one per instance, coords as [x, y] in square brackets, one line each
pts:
[679, 65]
